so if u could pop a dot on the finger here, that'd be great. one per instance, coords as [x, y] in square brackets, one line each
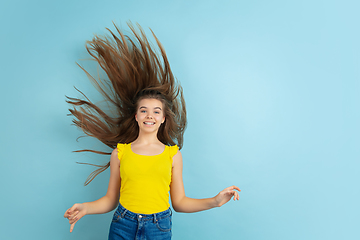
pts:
[232, 190]
[76, 217]
[229, 193]
[66, 214]
[73, 215]
[73, 209]
[69, 211]
[74, 220]
[236, 196]
[72, 227]
[235, 187]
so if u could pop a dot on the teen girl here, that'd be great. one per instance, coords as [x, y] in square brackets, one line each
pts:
[146, 134]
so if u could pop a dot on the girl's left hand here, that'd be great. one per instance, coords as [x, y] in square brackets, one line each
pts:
[225, 195]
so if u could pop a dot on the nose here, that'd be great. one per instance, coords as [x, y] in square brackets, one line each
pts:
[148, 115]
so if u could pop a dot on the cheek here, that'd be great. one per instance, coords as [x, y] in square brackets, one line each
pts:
[161, 119]
[158, 118]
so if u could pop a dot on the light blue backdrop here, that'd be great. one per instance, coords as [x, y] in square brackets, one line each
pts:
[272, 91]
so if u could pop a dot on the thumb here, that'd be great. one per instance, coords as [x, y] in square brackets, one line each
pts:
[72, 226]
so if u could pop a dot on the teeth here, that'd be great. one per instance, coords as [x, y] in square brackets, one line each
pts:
[149, 123]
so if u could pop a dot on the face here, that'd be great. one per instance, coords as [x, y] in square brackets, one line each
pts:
[150, 115]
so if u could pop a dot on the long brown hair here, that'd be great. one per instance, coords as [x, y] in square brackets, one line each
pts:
[134, 71]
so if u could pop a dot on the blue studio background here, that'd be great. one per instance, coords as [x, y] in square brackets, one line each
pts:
[272, 92]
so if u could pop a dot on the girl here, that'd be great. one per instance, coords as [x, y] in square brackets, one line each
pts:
[146, 134]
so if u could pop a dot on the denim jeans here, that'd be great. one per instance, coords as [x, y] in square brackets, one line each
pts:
[127, 225]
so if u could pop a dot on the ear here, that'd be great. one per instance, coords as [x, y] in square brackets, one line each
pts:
[136, 117]
[163, 120]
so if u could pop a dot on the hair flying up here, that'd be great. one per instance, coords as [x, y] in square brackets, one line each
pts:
[134, 71]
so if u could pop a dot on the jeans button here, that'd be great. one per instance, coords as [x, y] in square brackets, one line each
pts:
[140, 216]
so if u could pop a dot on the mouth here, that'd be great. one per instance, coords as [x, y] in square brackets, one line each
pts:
[149, 123]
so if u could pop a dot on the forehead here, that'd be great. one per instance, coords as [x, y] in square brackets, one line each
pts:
[150, 103]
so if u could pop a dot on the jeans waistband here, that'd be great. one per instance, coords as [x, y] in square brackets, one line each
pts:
[145, 217]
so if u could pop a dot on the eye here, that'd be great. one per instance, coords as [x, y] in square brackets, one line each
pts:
[157, 112]
[143, 111]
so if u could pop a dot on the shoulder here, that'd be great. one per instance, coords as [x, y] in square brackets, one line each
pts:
[114, 152]
[117, 153]
[114, 160]
[176, 157]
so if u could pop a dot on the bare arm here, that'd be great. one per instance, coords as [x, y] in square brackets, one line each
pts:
[182, 203]
[103, 205]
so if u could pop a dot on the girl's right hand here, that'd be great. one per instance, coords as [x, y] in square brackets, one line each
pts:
[74, 213]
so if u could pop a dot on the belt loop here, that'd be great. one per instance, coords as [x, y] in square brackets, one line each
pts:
[123, 213]
[155, 220]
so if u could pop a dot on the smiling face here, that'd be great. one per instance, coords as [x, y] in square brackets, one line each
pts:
[149, 115]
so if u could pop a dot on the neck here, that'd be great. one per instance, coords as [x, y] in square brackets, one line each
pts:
[147, 138]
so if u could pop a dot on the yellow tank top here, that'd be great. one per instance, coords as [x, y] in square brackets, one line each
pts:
[145, 180]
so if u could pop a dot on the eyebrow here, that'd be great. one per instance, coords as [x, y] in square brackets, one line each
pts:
[154, 107]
